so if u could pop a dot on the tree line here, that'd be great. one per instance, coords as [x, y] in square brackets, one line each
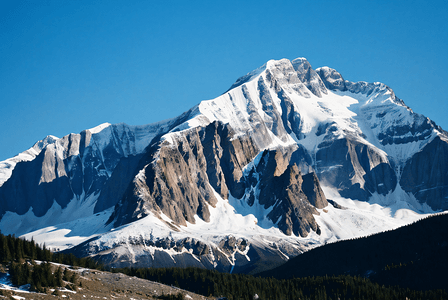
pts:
[40, 276]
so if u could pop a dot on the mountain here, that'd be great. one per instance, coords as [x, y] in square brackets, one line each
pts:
[413, 256]
[287, 159]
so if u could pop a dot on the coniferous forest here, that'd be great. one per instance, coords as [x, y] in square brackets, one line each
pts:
[240, 286]
[20, 256]
[22, 259]
[413, 256]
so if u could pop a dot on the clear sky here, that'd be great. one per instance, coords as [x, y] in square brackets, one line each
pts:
[66, 66]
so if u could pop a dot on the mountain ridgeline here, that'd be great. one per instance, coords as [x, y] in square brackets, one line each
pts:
[237, 183]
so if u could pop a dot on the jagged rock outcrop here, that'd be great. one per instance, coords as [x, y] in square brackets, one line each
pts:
[278, 184]
[293, 211]
[309, 77]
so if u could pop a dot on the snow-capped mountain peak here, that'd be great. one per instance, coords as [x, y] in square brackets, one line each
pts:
[294, 156]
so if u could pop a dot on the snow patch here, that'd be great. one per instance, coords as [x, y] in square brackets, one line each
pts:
[66, 235]
[59, 228]
[99, 128]
[5, 284]
[360, 218]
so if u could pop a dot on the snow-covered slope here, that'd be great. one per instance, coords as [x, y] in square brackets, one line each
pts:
[287, 159]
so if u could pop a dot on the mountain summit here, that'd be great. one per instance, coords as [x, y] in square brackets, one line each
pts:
[288, 158]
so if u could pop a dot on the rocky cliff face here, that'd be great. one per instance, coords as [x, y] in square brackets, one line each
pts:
[181, 181]
[179, 178]
[236, 182]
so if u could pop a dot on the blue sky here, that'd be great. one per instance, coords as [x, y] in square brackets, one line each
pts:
[67, 66]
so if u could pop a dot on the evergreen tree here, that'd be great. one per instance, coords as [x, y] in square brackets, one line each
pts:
[74, 278]
[5, 253]
[58, 277]
[19, 252]
[8, 255]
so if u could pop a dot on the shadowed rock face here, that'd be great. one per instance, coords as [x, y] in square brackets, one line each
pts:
[114, 188]
[55, 176]
[356, 169]
[28, 191]
[332, 79]
[425, 175]
[72, 168]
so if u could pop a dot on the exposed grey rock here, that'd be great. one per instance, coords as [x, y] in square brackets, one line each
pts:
[356, 169]
[293, 198]
[332, 79]
[274, 121]
[425, 175]
[335, 204]
[230, 245]
[121, 177]
[179, 182]
[293, 211]
[28, 191]
[198, 248]
[231, 254]
[290, 117]
[309, 77]
[311, 188]
[421, 129]
[259, 133]
[281, 74]
[37, 183]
